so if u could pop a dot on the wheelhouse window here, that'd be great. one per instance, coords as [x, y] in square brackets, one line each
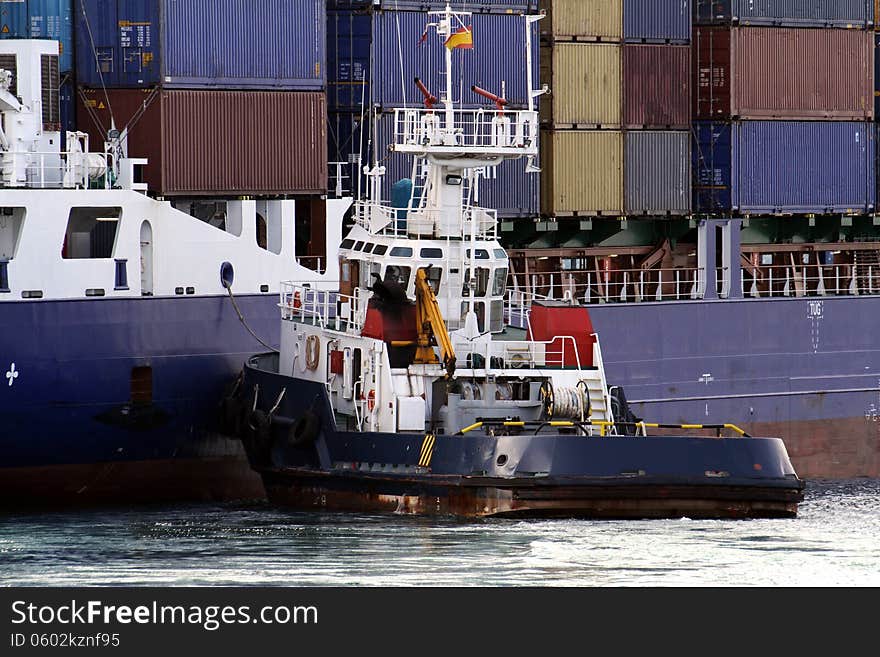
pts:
[91, 233]
[401, 252]
[398, 273]
[431, 254]
[499, 283]
[434, 276]
[481, 281]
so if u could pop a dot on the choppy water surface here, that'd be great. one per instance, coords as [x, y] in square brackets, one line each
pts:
[835, 541]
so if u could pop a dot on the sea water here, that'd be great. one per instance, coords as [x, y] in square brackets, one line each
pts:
[834, 541]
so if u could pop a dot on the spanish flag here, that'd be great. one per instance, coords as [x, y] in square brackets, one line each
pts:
[461, 38]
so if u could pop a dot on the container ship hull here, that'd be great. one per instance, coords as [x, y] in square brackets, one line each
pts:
[71, 434]
[804, 369]
[74, 429]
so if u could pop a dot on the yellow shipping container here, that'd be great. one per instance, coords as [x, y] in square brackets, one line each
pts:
[583, 19]
[582, 172]
[585, 85]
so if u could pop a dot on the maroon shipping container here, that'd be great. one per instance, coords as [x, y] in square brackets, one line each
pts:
[783, 73]
[224, 143]
[657, 86]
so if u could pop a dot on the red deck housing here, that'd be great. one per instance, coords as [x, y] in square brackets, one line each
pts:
[551, 321]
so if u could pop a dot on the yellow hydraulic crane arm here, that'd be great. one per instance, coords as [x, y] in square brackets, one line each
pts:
[431, 325]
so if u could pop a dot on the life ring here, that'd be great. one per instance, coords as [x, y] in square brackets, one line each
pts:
[313, 351]
[371, 400]
[304, 431]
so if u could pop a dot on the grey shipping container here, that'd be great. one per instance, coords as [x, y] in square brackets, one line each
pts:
[794, 13]
[218, 143]
[657, 173]
[657, 21]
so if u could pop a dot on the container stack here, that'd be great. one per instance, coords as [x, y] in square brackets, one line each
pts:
[374, 55]
[784, 107]
[47, 19]
[616, 139]
[225, 97]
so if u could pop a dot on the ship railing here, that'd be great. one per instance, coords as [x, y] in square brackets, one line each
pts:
[299, 302]
[615, 286]
[380, 219]
[560, 352]
[479, 131]
[811, 280]
[517, 305]
[55, 170]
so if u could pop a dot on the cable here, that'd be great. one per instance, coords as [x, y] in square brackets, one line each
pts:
[245, 324]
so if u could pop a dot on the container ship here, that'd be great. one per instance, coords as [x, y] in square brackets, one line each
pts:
[705, 185]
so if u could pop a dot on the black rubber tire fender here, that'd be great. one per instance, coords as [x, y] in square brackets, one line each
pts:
[259, 425]
[305, 430]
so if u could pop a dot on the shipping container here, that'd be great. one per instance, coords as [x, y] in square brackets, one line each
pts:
[506, 188]
[40, 19]
[785, 167]
[657, 21]
[792, 13]
[582, 173]
[236, 44]
[585, 85]
[784, 73]
[217, 142]
[377, 56]
[569, 20]
[657, 173]
[657, 86]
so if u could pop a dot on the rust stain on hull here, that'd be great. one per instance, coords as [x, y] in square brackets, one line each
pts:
[478, 502]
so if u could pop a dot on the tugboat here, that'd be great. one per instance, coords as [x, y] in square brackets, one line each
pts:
[424, 386]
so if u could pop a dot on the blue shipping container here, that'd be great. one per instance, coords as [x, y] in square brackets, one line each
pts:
[271, 44]
[793, 13]
[40, 19]
[507, 188]
[785, 167]
[657, 21]
[382, 50]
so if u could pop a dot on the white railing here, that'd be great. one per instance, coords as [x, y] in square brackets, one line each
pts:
[379, 219]
[54, 170]
[616, 286]
[812, 280]
[478, 130]
[329, 310]
[681, 284]
[561, 351]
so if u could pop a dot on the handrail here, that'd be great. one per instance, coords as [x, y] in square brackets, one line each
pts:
[687, 283]
[535, 352]
[603, 424]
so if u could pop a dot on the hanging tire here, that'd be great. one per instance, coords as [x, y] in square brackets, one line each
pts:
[305, 430]
[259, 432]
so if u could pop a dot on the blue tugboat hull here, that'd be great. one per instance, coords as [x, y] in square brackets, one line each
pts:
[529, 474]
